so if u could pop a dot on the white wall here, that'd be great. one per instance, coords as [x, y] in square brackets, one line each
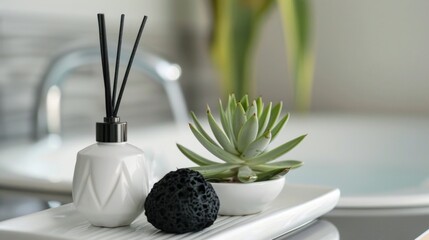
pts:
[372, 56]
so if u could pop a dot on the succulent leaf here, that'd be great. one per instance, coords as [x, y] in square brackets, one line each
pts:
[239, 119]
[246, 174]
[276, 152]
[214, 169]
[260, 106]
[279, 126]
[194, 157]
[248, 133]
[245, 102]
[251, 111]
[220, 135]
[275, 113]
[289, 164]
[226, 123]
[264, 119]
[214, 149]
[232, 105]
[264, 176]
[221, 176]
[201, 129]
[257, 147]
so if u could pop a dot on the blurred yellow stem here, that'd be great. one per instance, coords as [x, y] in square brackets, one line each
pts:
[297, 30]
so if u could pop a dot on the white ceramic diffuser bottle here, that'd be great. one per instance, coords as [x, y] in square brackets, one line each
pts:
[111, 177]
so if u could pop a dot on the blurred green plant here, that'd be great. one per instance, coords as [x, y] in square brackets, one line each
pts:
[236, 26]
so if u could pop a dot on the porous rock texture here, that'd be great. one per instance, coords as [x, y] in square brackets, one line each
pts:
[182, 201]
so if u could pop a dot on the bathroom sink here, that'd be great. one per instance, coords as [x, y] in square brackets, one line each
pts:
[376, 161]
[48, 165]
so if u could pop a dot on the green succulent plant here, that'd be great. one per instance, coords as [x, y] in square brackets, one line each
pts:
[246, 130]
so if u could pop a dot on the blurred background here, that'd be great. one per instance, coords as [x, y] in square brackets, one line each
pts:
[370, 57]
[362, 65]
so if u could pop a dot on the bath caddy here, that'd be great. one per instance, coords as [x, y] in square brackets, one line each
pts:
[296, 206]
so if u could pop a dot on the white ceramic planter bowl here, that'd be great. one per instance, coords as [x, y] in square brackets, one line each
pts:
[247, 198]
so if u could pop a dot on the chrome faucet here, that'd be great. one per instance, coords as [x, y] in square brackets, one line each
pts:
[47, 110]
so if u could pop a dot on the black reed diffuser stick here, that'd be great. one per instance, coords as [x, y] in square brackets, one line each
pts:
[112, 106]
[118, 58]
[130, 62]
[105, 63]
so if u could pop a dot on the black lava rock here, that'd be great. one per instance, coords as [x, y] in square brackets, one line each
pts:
[182, 201]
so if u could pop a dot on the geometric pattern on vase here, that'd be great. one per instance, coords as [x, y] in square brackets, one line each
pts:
[85, 185]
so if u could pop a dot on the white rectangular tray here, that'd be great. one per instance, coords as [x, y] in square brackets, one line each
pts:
[424, 236]
[296, 206]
